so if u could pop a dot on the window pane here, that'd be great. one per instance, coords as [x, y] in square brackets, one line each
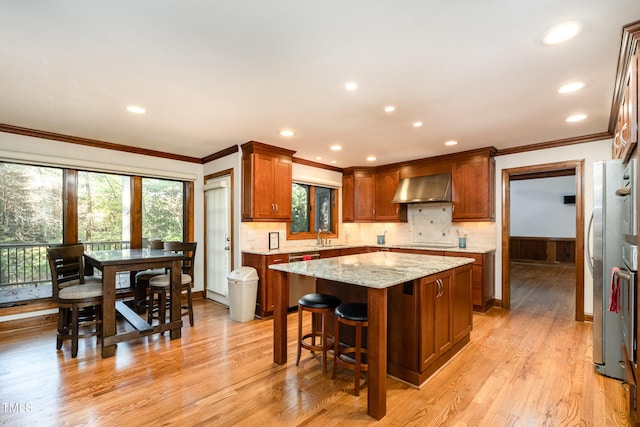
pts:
[300, 208]
[30, 219]
[322, 213]
[103, 210]
[162, 210]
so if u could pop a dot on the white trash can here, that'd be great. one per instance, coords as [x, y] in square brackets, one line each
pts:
[243, 291]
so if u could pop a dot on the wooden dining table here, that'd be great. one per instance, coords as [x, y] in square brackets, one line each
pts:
[110, 262]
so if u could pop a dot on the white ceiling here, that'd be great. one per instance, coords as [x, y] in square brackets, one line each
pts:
[213, 74]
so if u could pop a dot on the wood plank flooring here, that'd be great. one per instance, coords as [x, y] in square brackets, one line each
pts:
[530, 366]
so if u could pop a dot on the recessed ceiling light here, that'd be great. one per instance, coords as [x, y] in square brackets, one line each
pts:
[333, 162]
[389, 109]
[576, 118]
[451, 142]
[336, 147]
[417, 124]
[562, 33]
[371, 159]
[571, 87]
[136, 109]
[287, 132]
[318, 158]
[351, 86]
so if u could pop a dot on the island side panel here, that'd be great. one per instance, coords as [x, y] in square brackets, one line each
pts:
[280, 305]
[377, 353]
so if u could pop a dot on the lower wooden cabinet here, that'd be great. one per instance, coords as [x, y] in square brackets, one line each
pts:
[264, 300]
[434, 318]
[483, 278]
[429, 321]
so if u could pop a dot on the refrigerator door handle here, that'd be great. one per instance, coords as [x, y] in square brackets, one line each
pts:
[588, 244]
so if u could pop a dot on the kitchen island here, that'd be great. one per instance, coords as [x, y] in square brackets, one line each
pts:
[420, 302]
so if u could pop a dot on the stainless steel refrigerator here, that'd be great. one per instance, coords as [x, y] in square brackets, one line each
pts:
[607, 254]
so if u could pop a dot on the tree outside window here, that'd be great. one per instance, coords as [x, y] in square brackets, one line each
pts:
[313, 208]
[162, 210]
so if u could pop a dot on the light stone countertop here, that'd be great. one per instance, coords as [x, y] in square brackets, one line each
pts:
[375, 269]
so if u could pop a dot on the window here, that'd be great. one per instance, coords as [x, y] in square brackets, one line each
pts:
[313, 208]
[103, 210]
[31, 217]
[162, 210]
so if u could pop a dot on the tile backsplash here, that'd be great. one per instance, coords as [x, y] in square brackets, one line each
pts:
[427, 223]
[431, 223]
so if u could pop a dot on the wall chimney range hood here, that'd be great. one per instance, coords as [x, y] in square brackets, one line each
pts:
[422, 189]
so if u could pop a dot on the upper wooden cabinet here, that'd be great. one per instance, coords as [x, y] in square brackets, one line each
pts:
[367, 195]
[266, 182]
[625, 135]
[358, 195]
[386, 211]
[473, 188]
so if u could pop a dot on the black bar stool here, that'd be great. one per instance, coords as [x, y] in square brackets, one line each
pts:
[352, 314]
[318, 305]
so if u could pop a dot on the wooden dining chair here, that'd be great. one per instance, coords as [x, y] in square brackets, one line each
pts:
[142, 280]
[79, 299]
[160, 286]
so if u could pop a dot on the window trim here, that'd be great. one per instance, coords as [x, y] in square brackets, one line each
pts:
[305, 235]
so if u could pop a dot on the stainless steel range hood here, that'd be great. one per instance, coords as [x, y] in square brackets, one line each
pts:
[421, 189]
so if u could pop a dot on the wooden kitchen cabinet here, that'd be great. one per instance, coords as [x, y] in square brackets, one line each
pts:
[385, 210]
[625, 135]
[367, 192]
[461, 304]
[430, 320]
[358, 195]
[473, 188]
[266, 277]
[435, 318]
[329, 253]
[266, 182]
[482, 274]
[482, 277]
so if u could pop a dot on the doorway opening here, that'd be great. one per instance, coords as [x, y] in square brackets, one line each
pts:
[538, 171]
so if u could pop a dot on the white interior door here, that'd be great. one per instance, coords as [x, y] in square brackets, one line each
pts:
[218, 237]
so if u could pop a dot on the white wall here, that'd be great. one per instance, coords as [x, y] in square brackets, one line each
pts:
[232, 161]
[590, 153]
[538, 209]
[18, 148]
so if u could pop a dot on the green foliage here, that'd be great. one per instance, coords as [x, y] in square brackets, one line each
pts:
[30, 204]
[162, 209]
[101, 207]
[300, 208]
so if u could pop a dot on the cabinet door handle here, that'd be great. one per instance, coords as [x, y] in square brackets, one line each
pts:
[273, 207]
[625, 386]
[276, 207]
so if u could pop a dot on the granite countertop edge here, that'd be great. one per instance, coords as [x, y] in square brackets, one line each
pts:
[313, 248]
[375, 269]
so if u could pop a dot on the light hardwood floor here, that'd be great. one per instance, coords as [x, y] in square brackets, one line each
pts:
[530, 366]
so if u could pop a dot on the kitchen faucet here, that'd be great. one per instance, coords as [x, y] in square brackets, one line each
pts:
[320, 241]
